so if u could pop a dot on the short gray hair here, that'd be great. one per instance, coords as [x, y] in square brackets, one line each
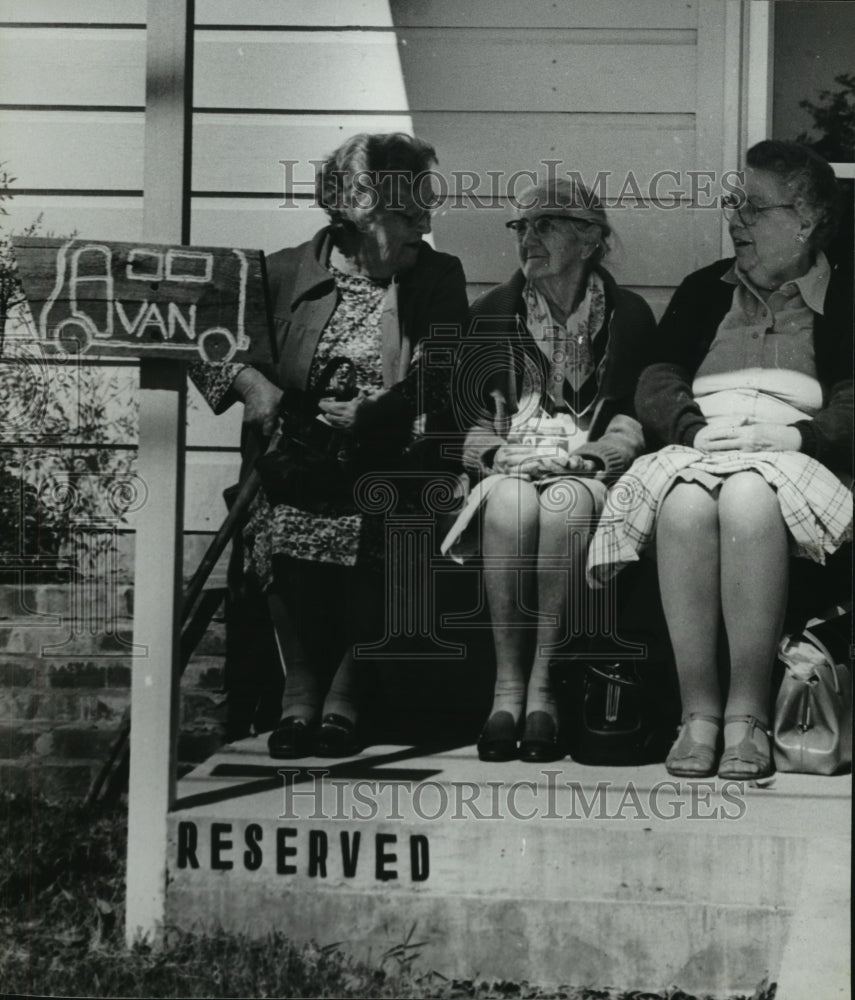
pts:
[810, 178]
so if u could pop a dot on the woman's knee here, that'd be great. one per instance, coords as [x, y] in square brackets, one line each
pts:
[512, 509]
[748, 503]
[687, 511]
[566, 510]
[567, 500]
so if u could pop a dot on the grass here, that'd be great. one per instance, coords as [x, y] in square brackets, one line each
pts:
[61, 933]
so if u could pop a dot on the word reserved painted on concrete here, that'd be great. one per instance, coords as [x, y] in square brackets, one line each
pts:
[295, 851]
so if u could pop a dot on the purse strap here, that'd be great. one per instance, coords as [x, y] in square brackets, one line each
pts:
[829, 659]
[614, 675]
[331, 370]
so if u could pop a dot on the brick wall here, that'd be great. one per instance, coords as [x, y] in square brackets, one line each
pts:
[65, 682]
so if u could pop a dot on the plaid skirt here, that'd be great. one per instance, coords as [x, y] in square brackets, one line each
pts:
[815, 505]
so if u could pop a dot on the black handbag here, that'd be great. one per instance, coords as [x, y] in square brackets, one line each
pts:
[617, 694]
[315, 466]
[609, 713]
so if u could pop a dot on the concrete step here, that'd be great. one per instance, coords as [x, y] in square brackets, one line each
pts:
[554, 873]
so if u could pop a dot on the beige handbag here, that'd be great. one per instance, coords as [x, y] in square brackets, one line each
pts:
[813, 712]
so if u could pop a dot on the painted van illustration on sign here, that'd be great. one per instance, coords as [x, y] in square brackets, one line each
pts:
[121, 299]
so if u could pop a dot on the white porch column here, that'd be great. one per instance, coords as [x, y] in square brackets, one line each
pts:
[158, 559]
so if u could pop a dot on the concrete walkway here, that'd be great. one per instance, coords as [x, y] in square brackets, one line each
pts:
[554, 873]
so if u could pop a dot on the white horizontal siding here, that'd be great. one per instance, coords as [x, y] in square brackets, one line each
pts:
[463, 70]
[467, 70]
[241, 153]
[96, 150]
[80, 66]
[548, 70]
[587, 143]
[255, 224]
[219, 12]
[496, 85]
[61, 11]
[279, 70]
[374, 13]
[110, 217]
[590, 14]
[291, 13]
[263, 221]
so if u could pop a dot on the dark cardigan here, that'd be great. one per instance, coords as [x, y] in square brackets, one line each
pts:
[495, 351]
[664, 401]
[303, 297]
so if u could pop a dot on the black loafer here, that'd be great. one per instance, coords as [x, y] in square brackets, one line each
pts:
[337, 737]
[540, 742]
[291, 738]
[498, 739]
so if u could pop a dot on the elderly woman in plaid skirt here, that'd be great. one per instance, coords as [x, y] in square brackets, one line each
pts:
[752, 398]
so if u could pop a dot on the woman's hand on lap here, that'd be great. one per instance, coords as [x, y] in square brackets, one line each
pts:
[748, 437]
[536, 461]
[341, 415]
[509, 457]
[576, 463]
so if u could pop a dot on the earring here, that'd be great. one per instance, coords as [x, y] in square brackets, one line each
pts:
[801, 237]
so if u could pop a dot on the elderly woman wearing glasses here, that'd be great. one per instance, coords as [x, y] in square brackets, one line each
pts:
[752, 397]
[545, 379]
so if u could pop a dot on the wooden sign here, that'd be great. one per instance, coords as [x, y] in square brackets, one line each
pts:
[143, 300]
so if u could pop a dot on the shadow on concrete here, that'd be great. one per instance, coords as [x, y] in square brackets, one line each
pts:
[268, 777]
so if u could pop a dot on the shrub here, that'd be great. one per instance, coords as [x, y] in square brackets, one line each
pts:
[65, 428]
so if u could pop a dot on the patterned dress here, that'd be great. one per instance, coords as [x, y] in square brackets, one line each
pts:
[353, 333]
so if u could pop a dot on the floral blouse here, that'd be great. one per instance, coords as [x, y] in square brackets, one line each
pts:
[353, 333]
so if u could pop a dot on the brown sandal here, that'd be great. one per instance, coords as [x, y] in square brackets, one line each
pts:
[689, 758]
[746, 760]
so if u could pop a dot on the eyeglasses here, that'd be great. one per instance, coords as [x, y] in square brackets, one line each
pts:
[747, 211]
[543, 225]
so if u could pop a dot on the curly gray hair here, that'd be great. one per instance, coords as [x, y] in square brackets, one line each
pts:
[371, 171]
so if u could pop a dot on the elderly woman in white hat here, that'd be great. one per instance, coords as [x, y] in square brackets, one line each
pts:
[546, 381]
